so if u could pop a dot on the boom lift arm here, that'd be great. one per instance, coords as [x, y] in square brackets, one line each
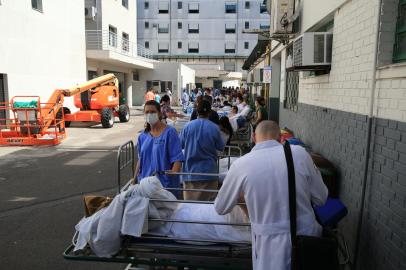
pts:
[49, 111]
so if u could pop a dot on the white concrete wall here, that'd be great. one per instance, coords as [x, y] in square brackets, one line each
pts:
[315, 10]
[180, 75]
[125, 20]
[348, 86]
[42, 51]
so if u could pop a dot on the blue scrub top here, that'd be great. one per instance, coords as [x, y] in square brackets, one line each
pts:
[157, 154]
[201, 140]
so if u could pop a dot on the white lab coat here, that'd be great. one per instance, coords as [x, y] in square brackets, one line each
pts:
[262, 177]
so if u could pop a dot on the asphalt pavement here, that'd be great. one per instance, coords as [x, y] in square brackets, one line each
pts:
[41, 191]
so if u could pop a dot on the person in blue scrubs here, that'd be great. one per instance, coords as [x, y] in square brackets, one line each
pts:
[201, 139]
[159, 149]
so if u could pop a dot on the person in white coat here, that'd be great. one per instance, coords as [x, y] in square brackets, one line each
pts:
[260, 178]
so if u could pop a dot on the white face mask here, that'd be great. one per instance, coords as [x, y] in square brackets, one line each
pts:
[151, 118]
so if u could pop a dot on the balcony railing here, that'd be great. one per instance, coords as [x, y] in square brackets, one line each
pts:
[105, 40]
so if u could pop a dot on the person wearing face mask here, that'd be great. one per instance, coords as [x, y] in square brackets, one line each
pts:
[201, 139]
[159, 149]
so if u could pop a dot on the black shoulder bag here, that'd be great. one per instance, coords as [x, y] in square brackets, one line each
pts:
[308, 252]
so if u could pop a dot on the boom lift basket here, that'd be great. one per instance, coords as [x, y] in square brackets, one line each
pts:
[25, 121]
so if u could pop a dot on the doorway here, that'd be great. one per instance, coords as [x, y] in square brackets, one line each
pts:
[3, 98]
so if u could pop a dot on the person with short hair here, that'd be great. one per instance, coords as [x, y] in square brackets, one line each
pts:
[201, 139]
[260, 178]
[149, 95]
[167, 111]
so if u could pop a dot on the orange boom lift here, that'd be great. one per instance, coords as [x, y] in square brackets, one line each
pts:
[26, 121]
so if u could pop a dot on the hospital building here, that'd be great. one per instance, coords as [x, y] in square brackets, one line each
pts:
[338, 82]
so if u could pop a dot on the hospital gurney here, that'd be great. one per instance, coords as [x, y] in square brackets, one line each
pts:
[154, 250]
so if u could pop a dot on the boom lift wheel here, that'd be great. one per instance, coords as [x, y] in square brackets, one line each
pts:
[107, 118]
[124, 113]
[65, 111]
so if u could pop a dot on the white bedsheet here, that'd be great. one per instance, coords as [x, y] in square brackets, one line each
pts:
[128, 215]
[205, 213]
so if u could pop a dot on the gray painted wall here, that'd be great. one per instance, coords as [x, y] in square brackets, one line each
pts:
[340, 137]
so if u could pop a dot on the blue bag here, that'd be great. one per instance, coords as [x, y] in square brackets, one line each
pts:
[329, 214]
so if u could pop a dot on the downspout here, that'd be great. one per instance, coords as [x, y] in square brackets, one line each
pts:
[369, 140]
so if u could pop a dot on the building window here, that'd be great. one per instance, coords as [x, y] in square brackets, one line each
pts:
[146, 5]
[264, 26]
[229, 47]
[193, 28]
[163, 47]
[399, 54]
[125, 42]
[124, 3]
[179, 45]
[193, 7]
[262, 9]
[146, 25]
[136, 75]
[37, 5]
[112, 36]
[193, 47]
[163, 7]
[246, 45]
[146, 44]
[292, 90]
[247, 25]
[229, 66]
[179, 4]
[230, 28]
[179, 25]
[247, 4]
[163, 28]
[231, 8]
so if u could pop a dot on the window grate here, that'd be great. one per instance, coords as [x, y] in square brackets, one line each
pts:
[292, 90]
[399, 50]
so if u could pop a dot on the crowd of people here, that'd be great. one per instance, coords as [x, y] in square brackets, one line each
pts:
[259, 178]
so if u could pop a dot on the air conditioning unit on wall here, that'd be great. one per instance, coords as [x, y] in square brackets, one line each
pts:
[90, 13]
[312, 51]
[281, 16]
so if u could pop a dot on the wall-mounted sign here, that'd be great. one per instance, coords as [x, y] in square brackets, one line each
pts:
[267, 74]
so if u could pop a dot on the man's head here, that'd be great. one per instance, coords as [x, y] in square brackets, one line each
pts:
[265, 131]
[209, 99]
[203, 108]
[235, 109]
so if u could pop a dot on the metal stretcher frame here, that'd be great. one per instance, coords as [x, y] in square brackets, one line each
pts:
[152, 250]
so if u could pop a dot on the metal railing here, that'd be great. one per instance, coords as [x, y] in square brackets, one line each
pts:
[105, 40]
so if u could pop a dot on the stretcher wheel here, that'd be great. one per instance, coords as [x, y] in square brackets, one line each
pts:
[124, 113]
[107, 118]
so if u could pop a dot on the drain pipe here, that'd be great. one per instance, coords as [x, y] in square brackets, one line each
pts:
[368, 141]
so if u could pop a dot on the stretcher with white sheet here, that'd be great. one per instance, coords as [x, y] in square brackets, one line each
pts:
[193, 236]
